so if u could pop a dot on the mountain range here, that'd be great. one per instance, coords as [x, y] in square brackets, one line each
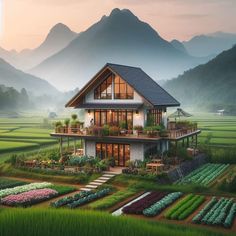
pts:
[210, 84]
[210, 44]
[58, 37]
[12, 77]
[118, 38]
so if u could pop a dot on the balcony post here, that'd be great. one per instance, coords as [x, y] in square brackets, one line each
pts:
[187, 141]
[68, 143]
[74, 145]
[60, 146]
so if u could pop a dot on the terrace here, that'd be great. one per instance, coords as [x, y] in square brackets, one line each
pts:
[175, 131]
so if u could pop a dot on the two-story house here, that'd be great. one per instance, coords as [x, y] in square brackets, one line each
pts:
[126, 98]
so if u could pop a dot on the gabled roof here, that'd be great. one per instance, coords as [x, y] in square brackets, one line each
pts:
[143, 84]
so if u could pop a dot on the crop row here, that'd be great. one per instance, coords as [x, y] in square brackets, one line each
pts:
[23, 188]
[185, 207]
[217, 212]
[29, 198]
[9, 183]
[159, 206]
[205, 174]
[80, 198]
[139, 206]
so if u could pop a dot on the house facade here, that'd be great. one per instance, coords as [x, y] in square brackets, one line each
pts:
[118, 102]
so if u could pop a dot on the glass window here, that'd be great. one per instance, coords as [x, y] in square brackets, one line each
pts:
[104, 90]
[122, 90]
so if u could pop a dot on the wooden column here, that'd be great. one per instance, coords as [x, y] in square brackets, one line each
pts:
[60, 146]
[68, 143]
[74, 145]
[196, 141]
[187, 142]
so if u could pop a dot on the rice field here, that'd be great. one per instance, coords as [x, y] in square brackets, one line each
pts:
[17, 222]
[220, 129]
[23, 133]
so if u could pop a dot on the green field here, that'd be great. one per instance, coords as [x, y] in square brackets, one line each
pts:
[47, 222]
[220, 129]
[18, 134]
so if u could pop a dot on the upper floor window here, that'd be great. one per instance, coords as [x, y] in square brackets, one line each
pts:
[104, 90]
[122, 90]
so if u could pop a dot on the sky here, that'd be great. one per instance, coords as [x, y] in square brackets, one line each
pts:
[25, 23]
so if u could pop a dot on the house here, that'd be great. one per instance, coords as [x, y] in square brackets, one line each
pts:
[118, 102]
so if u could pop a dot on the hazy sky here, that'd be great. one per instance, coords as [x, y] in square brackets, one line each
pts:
[25, 23]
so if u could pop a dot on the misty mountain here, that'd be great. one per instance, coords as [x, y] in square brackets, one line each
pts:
[206, 85]
[178, 45]
[118, 38]
[210, 44]
[58, 38]
[11, 77]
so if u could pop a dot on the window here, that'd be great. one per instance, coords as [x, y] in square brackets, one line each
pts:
[113, 117]
[122, 90]
[104, 90]
[154, 117]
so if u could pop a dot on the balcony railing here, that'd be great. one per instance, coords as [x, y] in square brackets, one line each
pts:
[115, 131]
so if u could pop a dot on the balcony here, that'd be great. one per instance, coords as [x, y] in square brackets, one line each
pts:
[173, 132]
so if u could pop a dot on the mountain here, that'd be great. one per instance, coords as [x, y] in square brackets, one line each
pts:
[118, 38]
[178, 45]
[11, 77]
[210, 44]
[211, 84]
[58, 38]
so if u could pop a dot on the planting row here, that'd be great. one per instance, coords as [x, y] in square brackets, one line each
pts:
[23, 188]
[29, 198]
[152, 204]
[9, 183]
[30, 194]
[205, 174]
[80, 198]
[217, 212]
[185, 207]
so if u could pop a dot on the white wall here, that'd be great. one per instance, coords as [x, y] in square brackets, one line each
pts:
[136, 151]
[90, 148]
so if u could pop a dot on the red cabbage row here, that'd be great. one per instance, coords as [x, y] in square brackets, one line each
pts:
[138, 206]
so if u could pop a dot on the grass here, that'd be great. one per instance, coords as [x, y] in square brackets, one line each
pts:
[7, 169]
[62, 189]
[112, 200]
[221, 129]
[38, 222]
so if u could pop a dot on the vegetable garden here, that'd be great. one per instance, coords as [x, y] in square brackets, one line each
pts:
[217, 212]
[30, 194]
[205, 174]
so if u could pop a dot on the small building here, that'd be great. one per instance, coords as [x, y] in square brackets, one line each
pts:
[125, 98]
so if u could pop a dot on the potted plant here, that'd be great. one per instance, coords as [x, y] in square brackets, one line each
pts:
[105, 130]
[58, 126]
[138, 129]
[66, 123]
[114, 131]
[122, 125]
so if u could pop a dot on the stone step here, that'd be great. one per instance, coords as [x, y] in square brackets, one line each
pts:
[100, 181]
[85, 189]
[108, 175]
[104, 178]
[111, 173]
[95, 183]
[91, 186]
